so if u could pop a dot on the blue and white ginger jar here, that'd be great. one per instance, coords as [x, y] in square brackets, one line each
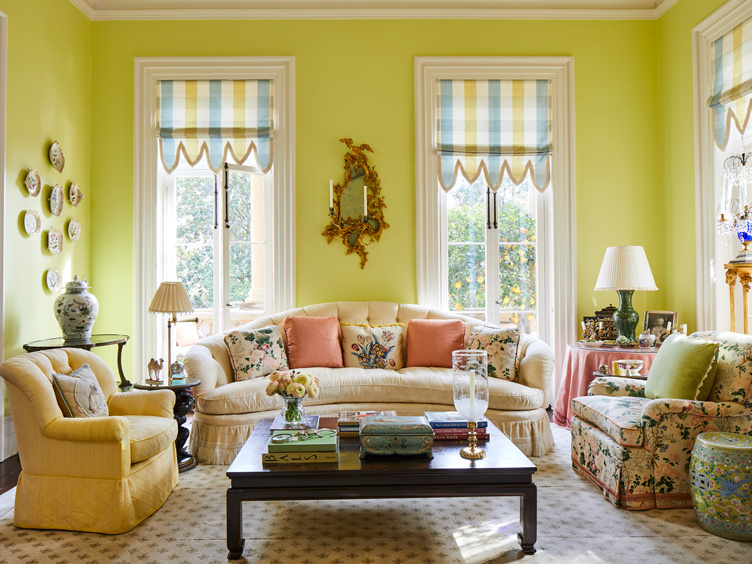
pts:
[76, 310]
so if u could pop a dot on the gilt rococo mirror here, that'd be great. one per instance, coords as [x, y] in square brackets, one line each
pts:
[357, 214]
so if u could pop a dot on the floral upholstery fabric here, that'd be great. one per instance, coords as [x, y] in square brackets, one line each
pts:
[619, 417]
[733, 379]
[615, 386]
[501, 345]
[623, 474]
[256, 352]
[367, 346]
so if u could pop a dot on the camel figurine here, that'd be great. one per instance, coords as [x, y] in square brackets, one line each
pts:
[154, 369]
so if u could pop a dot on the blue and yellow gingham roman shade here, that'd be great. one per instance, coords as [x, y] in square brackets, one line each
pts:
[494, 127]
[731, 68]
[215, 117]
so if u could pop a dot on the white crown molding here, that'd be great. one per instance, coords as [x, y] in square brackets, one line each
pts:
[96, 10]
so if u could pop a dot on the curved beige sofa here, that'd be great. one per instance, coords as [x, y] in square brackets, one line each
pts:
[226, 411]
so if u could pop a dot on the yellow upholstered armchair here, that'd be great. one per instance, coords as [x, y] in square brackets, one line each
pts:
[98, 474]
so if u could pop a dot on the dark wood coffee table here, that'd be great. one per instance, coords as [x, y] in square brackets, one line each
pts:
[504, 472]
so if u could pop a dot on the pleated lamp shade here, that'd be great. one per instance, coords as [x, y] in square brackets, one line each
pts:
[625, 268]
[171, 297]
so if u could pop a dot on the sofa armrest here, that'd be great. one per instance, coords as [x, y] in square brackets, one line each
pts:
[536, 368]
[656, 410]
[614, 386]
[158, 403]
[200, 363]
[101, 429]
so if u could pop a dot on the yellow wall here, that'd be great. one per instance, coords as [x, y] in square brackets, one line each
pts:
[677, 175]
[49, 94]
[356, 80]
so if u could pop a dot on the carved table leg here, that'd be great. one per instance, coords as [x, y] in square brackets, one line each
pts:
[731, 281]
[184, 402]
[746, 280]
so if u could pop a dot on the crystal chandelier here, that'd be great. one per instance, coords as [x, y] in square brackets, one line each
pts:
[734, 214]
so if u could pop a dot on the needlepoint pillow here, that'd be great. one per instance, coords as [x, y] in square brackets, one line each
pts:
[368, 346]
[313, 341]
[501, 344]
[683, 369]
[79, 393]
[256, 352]
[430, 342]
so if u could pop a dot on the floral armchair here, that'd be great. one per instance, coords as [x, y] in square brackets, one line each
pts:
[636, 450]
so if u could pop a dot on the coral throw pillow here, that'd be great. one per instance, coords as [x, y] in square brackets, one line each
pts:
[430, 342]
[79, 394]
[313, 341]
[501, 345]
[256, 352]
[368, 346]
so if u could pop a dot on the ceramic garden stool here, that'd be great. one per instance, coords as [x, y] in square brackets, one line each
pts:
[721, 476]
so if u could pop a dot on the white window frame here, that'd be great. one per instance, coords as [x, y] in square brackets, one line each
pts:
[7, 439]
[146, 235]
[562, 309]
[704, 35]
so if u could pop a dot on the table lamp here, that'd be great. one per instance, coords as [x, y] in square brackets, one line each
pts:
[625, 269]
[171, 297]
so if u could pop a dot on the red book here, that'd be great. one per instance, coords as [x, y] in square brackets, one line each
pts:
[458, 435]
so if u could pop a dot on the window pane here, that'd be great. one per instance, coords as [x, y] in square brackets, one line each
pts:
[527, 321]
[517, 285]
[194, 211]
[246, 211]
[516, 212]
[467, 271]
[466, 210]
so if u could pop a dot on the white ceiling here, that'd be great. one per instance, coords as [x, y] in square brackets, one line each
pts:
[372, 9]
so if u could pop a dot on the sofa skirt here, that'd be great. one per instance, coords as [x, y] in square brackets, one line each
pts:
[217, 439]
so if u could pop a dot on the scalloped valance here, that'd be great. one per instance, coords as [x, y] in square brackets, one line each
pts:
[494, 127]
[731, 68]
[215, 118]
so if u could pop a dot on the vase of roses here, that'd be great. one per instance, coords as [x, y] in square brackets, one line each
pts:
[293, 387]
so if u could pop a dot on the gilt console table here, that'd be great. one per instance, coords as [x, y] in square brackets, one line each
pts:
[742, 272]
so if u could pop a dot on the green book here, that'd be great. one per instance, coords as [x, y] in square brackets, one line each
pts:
[327, 443]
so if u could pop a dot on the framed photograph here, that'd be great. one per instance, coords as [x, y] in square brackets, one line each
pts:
[657, 322]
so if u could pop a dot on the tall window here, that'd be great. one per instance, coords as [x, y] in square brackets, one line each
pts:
[193, 115]
[531, 187]
[491, 252]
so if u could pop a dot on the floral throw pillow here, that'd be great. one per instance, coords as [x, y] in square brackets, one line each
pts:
[79, 394]
[373, 347]
[501, 345]
[256, 352]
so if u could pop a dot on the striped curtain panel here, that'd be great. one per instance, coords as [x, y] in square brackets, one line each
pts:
[215, 118]
[731, 68]
[494, 127]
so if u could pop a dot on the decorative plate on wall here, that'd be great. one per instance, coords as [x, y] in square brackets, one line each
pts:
[56, 156]
[56, 200]
[75, 195]
[33, 182]
[74, 230]
[32, 223]
[53, 279]
[55, 241]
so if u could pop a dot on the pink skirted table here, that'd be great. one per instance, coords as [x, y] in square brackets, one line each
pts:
[579, 364]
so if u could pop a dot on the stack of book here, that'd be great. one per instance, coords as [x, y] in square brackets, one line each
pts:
[348, 422]
[302, 449]
[450, 426]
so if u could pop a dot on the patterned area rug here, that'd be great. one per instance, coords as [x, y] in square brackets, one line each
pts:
[575, 525]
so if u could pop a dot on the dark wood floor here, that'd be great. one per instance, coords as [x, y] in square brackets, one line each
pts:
[9, 471]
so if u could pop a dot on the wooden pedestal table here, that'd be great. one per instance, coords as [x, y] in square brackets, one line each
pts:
[184, 403]
[504, 472]
[744, 273]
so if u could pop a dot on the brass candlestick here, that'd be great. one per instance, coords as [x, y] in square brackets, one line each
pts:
[472, 452]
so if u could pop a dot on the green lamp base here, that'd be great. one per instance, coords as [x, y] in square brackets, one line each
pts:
[626, 318]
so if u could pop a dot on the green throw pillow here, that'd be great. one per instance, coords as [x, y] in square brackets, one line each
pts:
[683, 369]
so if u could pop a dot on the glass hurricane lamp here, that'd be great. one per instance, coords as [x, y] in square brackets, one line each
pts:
[470, 390]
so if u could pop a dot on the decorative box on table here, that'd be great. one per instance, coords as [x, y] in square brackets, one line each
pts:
[391, 434]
